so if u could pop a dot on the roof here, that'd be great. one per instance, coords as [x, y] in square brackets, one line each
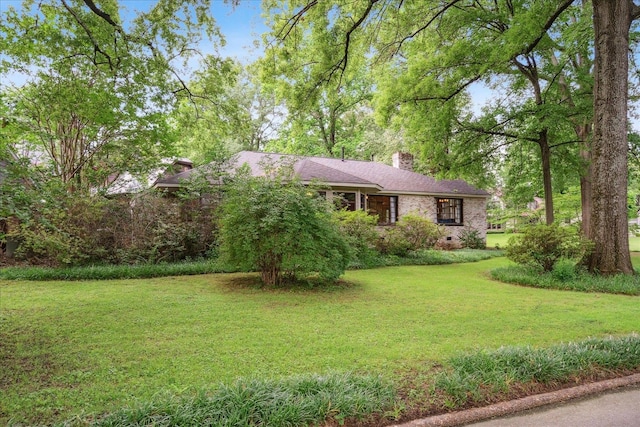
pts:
[334, 172]
[126, 182]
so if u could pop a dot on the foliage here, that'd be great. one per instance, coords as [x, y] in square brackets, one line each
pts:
[112, 272]
[472, 376]
[412, 232]
[470, 238]
[236, 115]
[393, 242]
[541, 246]
[99, 86]
[567, 276]
[322, 118]
[208, 266]
[278, 226]
[420, 232]
[76, 229]
[293, 401]
[361, 234]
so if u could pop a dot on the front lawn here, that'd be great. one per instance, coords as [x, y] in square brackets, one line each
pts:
[500, 240]
[94, 346]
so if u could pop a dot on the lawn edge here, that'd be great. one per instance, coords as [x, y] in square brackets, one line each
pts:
[522, 404]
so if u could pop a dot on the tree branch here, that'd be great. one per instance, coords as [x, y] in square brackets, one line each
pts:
[293, 21]
[96, 46]
[448, 97]
[635, 11]
[561, 8]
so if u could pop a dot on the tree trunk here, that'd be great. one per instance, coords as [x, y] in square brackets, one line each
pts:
[609, 226]
[545, 154]
[586, 190]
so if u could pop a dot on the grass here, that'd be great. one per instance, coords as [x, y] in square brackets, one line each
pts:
[501, 239]
[295, 401]
[110, 272]
[85, 347]
[475, 377]
[145, 271]
[565, 276]
[498, 240]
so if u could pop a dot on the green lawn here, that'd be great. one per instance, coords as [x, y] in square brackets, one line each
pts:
[498, 240]
[501, 240]
[86, 347]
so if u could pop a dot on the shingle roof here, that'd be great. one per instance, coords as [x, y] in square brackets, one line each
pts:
[350, 173]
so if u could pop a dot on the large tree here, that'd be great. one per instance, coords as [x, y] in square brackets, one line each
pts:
[612, 21]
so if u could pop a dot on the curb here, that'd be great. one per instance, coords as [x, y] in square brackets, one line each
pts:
[511, 407]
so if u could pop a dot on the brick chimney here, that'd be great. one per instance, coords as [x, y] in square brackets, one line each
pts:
[402, 161]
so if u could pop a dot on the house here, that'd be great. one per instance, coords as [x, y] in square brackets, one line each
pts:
[387, 191]
[127, 183]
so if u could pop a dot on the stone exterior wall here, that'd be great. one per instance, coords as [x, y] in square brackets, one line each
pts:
[474, 211]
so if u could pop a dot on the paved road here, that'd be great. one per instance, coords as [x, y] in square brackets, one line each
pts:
[618, 408]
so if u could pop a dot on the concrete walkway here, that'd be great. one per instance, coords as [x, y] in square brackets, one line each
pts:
[619, 408]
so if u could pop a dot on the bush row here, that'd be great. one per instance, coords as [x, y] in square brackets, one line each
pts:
[75, 229]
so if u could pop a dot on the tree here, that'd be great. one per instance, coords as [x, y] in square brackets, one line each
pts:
[278, 226]
[611, 22]
[236, 115]
[98, 86]
[323, 110]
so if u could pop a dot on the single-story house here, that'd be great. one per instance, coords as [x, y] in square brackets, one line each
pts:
[387, 191]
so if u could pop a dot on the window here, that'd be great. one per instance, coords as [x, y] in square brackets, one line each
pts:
[345, 201]
[449, 211]
[386, 207]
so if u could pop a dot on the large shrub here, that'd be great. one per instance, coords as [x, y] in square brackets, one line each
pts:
[278, 226]
[542, 246]
[71, 229]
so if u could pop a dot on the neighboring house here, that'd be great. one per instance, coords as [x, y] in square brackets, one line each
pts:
[387, 191]
[126, 183]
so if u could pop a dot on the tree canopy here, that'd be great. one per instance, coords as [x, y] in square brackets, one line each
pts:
[94, 85]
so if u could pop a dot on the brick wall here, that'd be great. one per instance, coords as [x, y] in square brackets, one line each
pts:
[474, 211]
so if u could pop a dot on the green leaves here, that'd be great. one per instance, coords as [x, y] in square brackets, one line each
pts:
[280, 227]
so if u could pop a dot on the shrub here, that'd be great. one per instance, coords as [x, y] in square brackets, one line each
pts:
[297, 401]
[420, 232]
[564, 270]
[470, 238]
[541, 246]
[76, 229]
[278, 226]
[412, 232]
[393, 242]
[359, 229]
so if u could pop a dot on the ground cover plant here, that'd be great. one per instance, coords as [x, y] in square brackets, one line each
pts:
[567, 276]
[142, 271]
[93, 347]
